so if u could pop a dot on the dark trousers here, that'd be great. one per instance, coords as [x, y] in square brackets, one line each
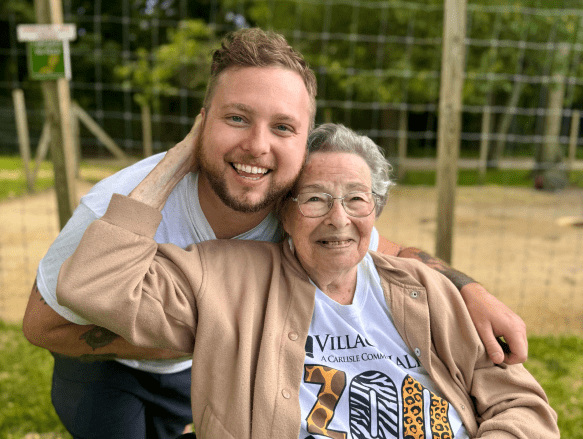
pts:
[107, 400]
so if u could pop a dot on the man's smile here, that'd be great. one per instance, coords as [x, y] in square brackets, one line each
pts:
[250, 172]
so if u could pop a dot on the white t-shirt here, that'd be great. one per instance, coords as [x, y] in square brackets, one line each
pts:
[183, 223]
[360, 378]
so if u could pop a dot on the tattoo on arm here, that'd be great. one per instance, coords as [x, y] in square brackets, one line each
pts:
[458, 278]
[98, 337]
[35, 289]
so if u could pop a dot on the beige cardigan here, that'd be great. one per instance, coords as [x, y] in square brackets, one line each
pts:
[244, 309]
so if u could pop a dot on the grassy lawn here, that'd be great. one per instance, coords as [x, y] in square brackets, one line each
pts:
[25, 386]
[25, 377]
[499, 177]
[13, 180]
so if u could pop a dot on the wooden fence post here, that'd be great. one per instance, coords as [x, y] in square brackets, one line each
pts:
[403, 129]
[57, 108]
[573, 137]
[76, 136]
[449, 125]
[42, 148]
[23, 137]
[147, 130]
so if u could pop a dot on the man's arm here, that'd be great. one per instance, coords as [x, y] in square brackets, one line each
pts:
[490, 316]
[45, 328]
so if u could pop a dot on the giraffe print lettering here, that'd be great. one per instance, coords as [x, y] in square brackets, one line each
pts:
[332, 383]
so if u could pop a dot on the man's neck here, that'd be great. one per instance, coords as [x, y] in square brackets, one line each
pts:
[225, 222]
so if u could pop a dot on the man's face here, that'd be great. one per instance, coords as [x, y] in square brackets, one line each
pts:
[253, 138]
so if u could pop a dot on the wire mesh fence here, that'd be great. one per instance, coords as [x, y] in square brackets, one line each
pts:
[378, 67]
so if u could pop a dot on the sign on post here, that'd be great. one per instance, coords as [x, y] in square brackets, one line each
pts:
[48, 49]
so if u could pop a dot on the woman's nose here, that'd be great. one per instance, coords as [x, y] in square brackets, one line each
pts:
[337, 215]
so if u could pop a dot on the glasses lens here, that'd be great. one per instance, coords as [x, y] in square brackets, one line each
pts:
[359, 203]
[315, 204]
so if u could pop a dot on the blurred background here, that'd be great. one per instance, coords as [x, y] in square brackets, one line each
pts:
[139, 69]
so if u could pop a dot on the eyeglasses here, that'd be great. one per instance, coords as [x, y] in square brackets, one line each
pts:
[316, 204]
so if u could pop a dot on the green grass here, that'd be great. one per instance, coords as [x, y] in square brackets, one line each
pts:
[500, 177]
[10, 188]
[25, 386]
[557, 364]
[25, 377]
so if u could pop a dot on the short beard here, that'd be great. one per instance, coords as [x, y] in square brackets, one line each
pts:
[219, 186]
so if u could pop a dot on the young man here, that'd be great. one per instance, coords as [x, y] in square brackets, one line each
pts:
[258, 111]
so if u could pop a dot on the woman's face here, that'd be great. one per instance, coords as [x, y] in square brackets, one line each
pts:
[335, 242]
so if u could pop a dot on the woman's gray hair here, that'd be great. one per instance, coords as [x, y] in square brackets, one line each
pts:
[332, 137]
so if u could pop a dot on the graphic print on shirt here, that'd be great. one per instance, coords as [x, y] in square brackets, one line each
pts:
[332, 383]
[413, 420]
[374, 405]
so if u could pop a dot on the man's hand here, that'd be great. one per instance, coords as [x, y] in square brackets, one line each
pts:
[492, 320]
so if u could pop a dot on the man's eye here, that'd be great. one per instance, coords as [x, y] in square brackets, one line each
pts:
[283, 129]
[237, 119]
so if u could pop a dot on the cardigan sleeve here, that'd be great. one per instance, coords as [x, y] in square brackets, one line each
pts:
[121, 279]
[510, 403]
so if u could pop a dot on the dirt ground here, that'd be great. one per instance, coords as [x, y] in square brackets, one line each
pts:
[517, 242]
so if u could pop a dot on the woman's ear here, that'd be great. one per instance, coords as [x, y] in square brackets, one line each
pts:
[282, 212]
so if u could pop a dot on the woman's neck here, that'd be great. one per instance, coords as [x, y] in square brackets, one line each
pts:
[340, 287]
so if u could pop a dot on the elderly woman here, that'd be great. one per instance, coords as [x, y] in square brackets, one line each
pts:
[312, 336]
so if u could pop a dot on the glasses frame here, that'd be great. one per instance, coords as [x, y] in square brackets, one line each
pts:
[330, 205]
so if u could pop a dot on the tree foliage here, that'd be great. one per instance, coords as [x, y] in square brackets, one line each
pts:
[182, 63]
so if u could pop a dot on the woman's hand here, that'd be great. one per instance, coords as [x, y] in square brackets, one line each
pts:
[178, 162]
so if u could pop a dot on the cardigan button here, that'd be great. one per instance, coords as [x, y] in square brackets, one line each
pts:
[414, 294]
[293, 336]
[286, 394]
[418, 352]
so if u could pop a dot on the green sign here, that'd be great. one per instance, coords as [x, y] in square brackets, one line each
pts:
[46, 60]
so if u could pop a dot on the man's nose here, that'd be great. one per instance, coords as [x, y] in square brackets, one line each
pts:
[258, 141]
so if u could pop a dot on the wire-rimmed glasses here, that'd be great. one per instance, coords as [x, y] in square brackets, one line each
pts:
[316, 204]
